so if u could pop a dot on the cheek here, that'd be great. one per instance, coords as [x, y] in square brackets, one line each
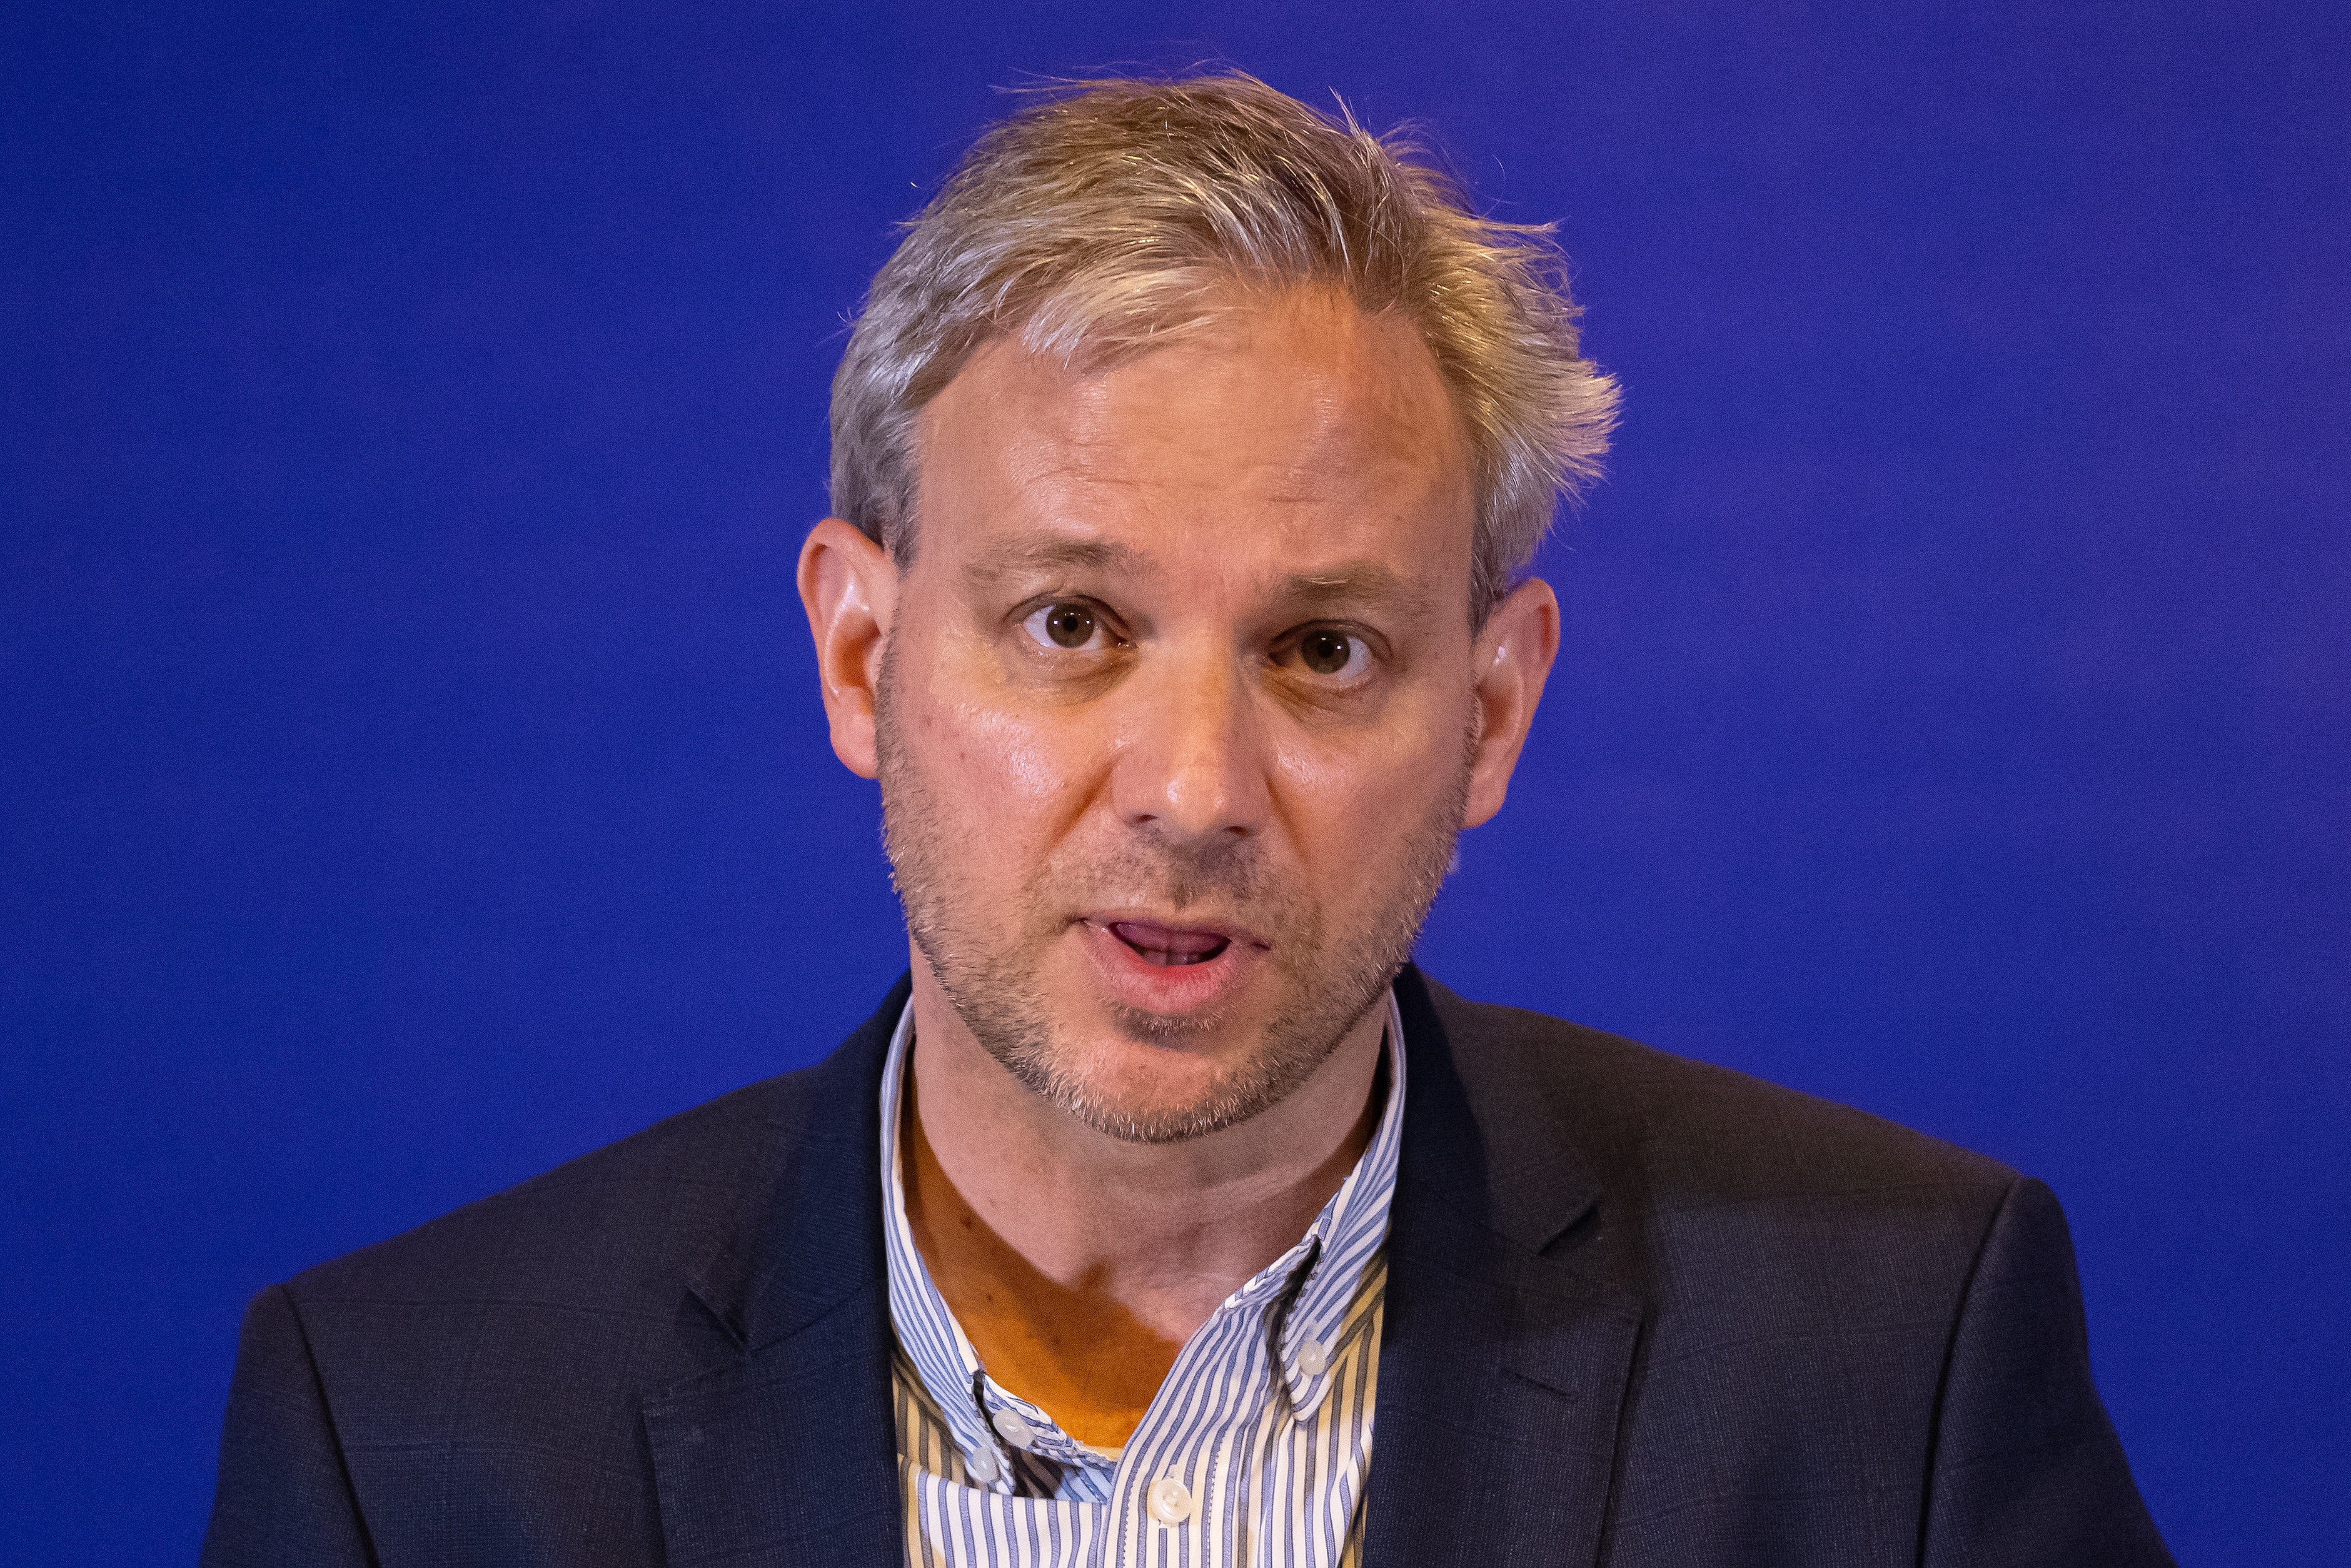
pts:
[1003, 770]
[1351, 800]
[1022, 764]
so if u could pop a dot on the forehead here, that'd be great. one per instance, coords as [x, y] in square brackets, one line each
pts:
[1291, 431]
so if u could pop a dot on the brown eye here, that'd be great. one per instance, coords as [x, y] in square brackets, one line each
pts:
[1070, 626]
[1326, 653]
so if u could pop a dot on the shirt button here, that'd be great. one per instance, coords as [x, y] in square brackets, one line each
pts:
[1312, 1359]
[1016, 1431]
[982, 1466]
[1171, 1500]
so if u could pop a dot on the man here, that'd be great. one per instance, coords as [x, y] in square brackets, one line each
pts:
[1186, 459]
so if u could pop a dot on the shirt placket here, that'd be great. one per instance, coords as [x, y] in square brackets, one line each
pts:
[1175, 1491]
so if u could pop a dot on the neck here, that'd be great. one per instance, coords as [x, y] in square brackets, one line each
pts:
[1079, 1264]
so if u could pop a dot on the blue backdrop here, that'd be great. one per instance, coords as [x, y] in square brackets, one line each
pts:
[412, 774]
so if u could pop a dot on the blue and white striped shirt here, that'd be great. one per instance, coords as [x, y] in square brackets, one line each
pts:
[1254, 1452]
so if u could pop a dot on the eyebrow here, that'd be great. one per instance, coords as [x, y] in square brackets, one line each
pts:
[1051, 552]
[1354, 582]
[1359, 583]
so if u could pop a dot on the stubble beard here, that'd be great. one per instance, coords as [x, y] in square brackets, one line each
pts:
[988, 960]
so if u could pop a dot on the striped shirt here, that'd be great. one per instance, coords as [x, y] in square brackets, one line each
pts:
[1254, 1452]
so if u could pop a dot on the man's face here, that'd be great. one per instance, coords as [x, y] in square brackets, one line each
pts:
[1176, 713]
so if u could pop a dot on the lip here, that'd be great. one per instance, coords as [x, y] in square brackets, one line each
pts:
[1168, 989]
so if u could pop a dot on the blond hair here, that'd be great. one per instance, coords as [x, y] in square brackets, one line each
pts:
[1110, 216]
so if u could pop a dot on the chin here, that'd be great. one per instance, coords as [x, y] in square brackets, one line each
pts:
[1147, 1079]
[1151, 1066]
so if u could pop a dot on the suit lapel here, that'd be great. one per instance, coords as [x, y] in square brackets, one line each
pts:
[1503, 1363]
[785, 1452]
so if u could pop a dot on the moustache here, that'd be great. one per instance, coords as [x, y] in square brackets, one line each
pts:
[1150, 869]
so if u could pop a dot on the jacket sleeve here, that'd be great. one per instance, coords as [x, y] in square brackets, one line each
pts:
[2025, 1467]
[284, 1497]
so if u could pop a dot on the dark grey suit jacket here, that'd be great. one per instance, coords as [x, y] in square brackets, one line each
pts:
[1640, 1311]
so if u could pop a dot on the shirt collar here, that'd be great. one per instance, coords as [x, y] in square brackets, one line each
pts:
[1305, 1293]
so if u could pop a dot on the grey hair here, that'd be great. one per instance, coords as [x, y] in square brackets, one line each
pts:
[1111, 216]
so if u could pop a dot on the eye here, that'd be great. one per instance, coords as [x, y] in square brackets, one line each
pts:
[1070, 626]
[1328, 653]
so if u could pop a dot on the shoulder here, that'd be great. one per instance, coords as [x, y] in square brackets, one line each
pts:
[1628, 1106]
[530, 1323]
[1701, 1174]
[653, 1198]
[619, 1228]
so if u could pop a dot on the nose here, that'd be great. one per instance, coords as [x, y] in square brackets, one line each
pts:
[1193, 765]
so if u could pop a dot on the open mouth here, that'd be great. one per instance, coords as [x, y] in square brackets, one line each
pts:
[1169, 947]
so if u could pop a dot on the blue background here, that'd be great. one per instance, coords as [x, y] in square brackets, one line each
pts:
[411, 772]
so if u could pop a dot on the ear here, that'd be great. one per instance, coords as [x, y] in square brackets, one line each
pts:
[1509, 661]
[850, 588]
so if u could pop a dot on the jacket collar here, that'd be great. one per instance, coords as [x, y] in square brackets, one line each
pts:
[809, 1234]
[784, 1451]
[1503, 1360]
[1478, 1139]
